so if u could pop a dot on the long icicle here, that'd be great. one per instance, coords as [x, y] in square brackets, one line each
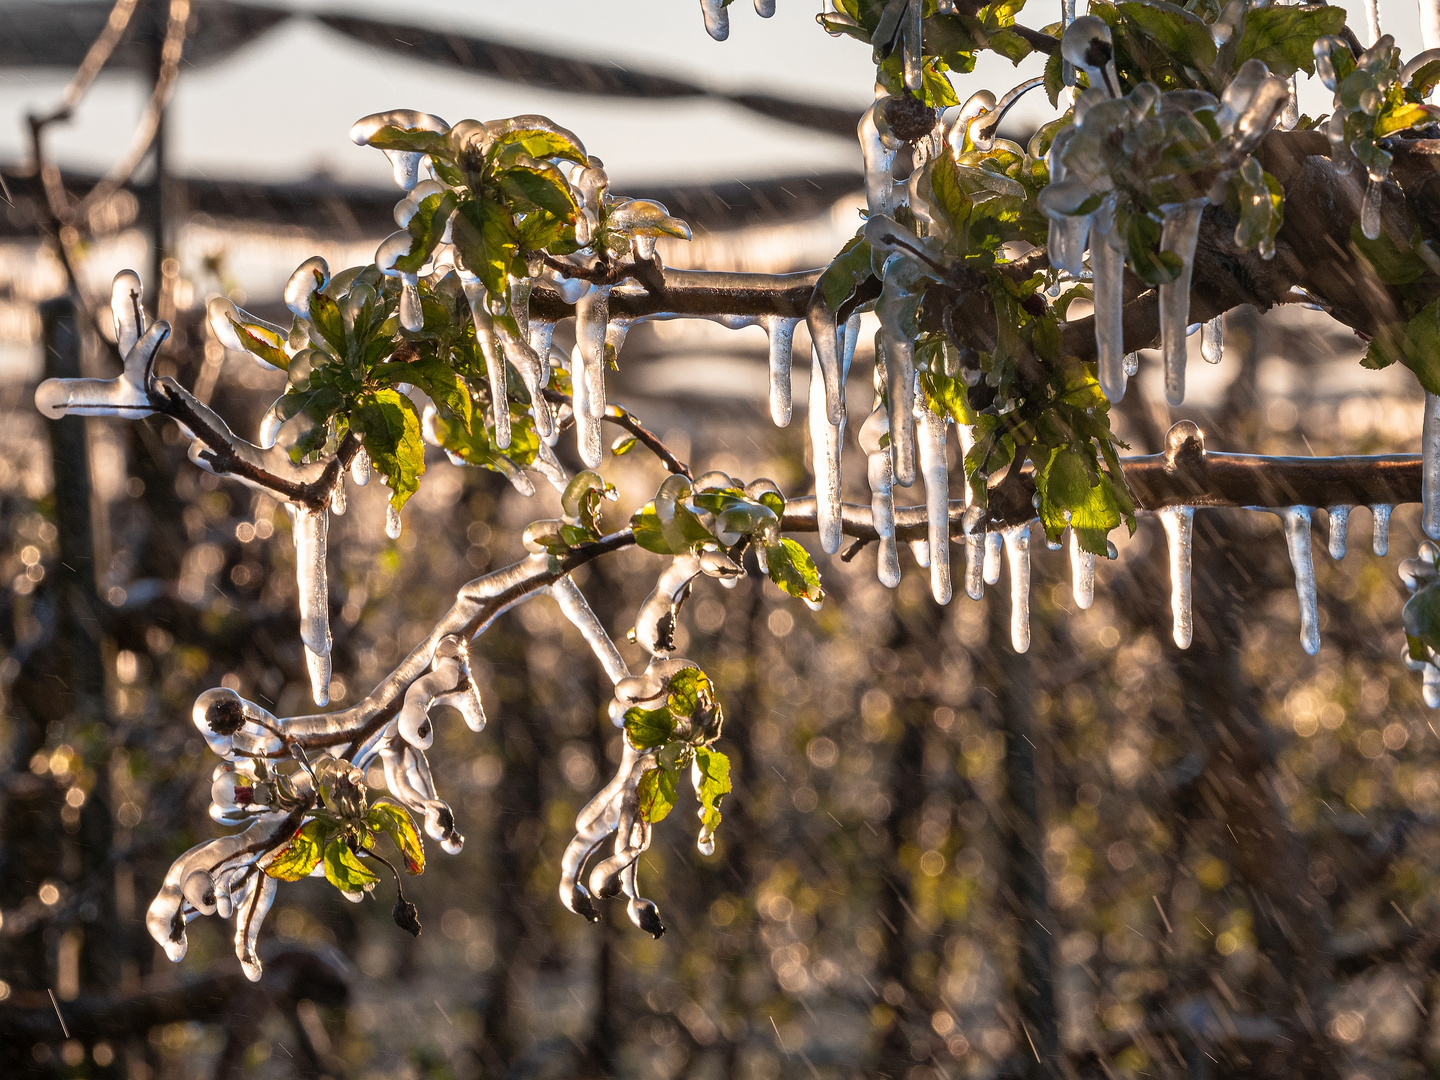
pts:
[994, 545]
[782, 340]
[825, 439]
[1082, 573]
[1107, 265]
[1297, 540]
[882, 502]
[973, 523]
[1430, 471]
[491, 349]
[1179, 522]
[310, 528]
[930, 433]
[1017, 554]
[587, 426]
[1178, 235]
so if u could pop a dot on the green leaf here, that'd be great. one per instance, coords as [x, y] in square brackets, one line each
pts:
[395, 822]
[1072, 493]
[1406, 115]
[474, 446]
[1054, 78]
[411, 140]
[650, 533]
[441, 383]
[945, 396]
[710, 773]
[485, 236]
[845, 273]
[645, 217]
[390, 430]
[1421, 618]
[792, 568]
[949, 196]
[657, 794]
[648, 728]
[540, 138]
[690, 691]
[775, 501]
[343, 870]
[1392, 264]
[302, 854]
[1284, 37]
[326, 318]
[1422, 346]
[1180, 32]
[261, 342]
[539, 185]
[426, 227]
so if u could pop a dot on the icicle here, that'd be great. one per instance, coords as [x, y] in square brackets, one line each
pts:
[337, 496]
[1017, 554]
[1297, 540]
[127, 395]
[393, 248]
[911, 45]
[392, 522]
[900, 372]
[1212, 339]
[1339, 517]
[1082, 573]
[882, 506]
[930, 434]
[1381, 517]
[717, 19]
[825, 441]
[489, 343]
[587, 426]
[1178, 234]
[782, 339]
[975, 535]
[360, 468]
[765, 8]
[1107, 263]
[879, 150]
[1372, 19]
[1290, 114]
[1430, 470]
[1429, 24]
[994, 543]
[1430, 686]
[920, 549]
[592, 320]
[310, 529]
[1179, 522]
[1370, 206]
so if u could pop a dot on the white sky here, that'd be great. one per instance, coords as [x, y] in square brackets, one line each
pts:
[281, 107]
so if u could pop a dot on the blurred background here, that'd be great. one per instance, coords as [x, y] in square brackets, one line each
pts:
[1104, 858]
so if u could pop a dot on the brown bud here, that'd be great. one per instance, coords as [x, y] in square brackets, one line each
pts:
[406, 916]
[226, 716]
[909, 118]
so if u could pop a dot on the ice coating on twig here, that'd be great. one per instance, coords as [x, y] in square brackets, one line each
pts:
[233, 727]
[1082, 573]
[1107, 265]
[126, 395]
[1297, 540]
[1178, 234]
[1017, 554]
[655, 621]
[310, 529]
[577, 609]
[1339, 518]
[930, 434]
[782, 338]
[878, 147]
[1380, 516]
[1430, 468]
[1212, 339]
[407, 776]
[126, 310]
[882, 504]
[219, 876]
[444, 676]
[1179, 522]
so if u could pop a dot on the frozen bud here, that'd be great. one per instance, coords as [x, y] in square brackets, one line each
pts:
[312, 274]
[1086, 43]
[1181, 438]
[644, 914]
[406, 916]
[910, 119]
[199, 891]
[225, 715]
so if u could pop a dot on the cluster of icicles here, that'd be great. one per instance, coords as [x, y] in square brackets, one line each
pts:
[1249, 108]
[226, 876]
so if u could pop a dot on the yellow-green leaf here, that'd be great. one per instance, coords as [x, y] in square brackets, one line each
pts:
[301, 855]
